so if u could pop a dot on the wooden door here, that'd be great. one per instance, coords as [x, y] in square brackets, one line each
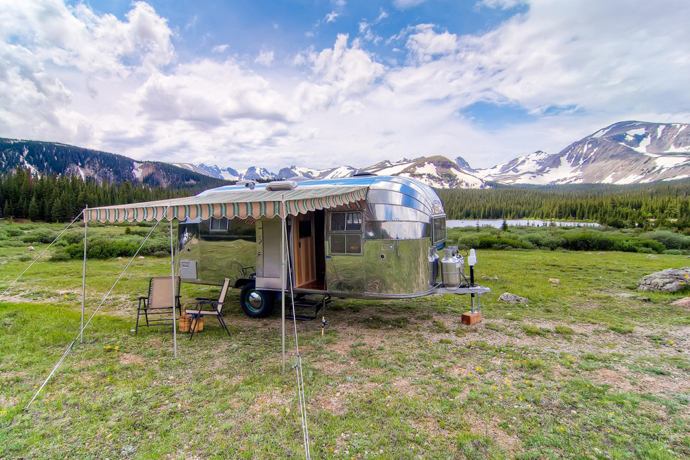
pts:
[303, 243]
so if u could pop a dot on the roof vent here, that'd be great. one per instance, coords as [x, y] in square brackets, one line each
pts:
[281, 185]
[250, 184]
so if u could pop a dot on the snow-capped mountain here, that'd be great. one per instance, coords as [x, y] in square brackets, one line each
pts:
[103, 167]
[436, 171]
[464, 165]
[623, 153]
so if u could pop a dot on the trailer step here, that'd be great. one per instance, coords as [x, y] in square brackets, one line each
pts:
[307, 307]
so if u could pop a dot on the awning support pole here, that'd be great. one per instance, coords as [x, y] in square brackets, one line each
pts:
[83, 275]
[283, 237]
[172, 278]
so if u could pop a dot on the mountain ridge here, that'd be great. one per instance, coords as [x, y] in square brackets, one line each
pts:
[42, 157]
[625, 152]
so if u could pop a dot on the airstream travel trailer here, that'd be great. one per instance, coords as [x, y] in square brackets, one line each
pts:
[364, 236]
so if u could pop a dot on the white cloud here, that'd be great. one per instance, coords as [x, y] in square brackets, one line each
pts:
[501, 4]
[367, 33]
[220, 49]
[426, 44]
[404, 4]
[265, 58]
[210, 93]
[77, 37]
[340, 73]
[331, 17]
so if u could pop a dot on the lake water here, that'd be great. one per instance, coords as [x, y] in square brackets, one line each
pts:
[497, 223]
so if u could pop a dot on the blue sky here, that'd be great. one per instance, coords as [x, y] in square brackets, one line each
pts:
[325, 83]
[290, 26]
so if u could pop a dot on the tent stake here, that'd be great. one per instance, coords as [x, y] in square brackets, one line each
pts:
[83, 275]
[172, 278]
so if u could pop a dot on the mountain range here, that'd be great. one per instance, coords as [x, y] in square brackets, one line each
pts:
[622, 153]
[628, 152]
[61, 159]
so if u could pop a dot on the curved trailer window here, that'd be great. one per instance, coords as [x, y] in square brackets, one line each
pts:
[439, 229]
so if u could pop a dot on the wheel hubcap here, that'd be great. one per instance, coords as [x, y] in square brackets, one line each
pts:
[255, 300]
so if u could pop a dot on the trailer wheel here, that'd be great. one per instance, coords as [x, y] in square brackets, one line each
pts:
[254, 302]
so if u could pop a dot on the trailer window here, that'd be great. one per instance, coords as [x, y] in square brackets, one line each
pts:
[218, 225]
[439, 229]
[346, 232]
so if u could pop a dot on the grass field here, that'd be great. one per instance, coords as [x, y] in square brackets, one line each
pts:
[590, 368]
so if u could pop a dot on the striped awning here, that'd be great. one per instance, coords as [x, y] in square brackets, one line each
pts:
[238, 203]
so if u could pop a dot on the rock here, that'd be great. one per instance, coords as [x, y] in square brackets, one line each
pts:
[684, 302]
[140, 257]
[670, 280]
[30, 248]
[507, 297]
[554, 281]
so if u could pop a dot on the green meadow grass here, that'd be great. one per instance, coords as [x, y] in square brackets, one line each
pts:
[589, 368]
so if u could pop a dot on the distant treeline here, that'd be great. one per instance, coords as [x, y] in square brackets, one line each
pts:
[650, 205]
[60, 199]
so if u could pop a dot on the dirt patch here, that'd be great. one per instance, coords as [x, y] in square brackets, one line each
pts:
[618, 379]
[430, 425]
[270, 403]
[131, 359]
[8, 402]
[404, 387]
[334, 399]
[490, 428]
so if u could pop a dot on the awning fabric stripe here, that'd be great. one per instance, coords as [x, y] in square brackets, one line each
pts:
[242, 204]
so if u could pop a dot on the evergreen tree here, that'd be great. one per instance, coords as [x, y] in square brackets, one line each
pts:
[34, 210]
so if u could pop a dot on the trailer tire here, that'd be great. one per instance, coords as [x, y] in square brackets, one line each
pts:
[256, 303]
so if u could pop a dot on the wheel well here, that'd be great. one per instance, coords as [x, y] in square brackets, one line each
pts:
[240, 283]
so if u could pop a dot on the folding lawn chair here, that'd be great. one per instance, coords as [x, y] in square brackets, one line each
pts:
[158, 305]
[216, 309]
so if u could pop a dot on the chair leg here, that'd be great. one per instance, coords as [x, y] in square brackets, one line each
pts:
[136, 328]
[222, 323]
[192, 327]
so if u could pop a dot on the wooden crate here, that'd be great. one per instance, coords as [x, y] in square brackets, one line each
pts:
[184, 323]
[199, 326]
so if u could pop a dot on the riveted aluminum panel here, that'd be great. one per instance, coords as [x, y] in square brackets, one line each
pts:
[401, 230]
[396, 266]
[217, 255]
[345, 273]
[389, 213]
